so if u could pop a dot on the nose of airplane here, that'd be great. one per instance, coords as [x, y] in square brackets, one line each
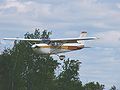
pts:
[33, 46]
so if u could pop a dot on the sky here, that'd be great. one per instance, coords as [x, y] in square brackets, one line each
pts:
[67, 18]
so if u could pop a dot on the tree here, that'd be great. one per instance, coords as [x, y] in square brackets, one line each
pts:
[68, 78]
[26, 70]
[5, 70]
[93, 86]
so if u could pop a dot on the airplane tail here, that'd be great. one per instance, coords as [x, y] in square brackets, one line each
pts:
[82, 35]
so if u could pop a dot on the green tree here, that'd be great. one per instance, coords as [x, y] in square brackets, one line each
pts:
[68, 78]
[26, 70]
[5, 70]
[93, 86]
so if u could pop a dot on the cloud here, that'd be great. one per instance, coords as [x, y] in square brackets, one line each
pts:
[83, 13]
[65, 15]
[10, 4]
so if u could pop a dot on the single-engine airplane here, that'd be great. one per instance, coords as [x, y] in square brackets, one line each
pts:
[56, 46]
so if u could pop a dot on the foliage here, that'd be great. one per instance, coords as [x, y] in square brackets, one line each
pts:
[93, 86]
[68, 78]
[26, 70]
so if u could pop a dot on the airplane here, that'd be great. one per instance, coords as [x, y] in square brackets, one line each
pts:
[56, 46]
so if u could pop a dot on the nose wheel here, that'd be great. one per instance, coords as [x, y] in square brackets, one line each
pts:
[62, 57]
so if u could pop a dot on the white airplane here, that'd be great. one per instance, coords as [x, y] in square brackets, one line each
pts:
[56, 46]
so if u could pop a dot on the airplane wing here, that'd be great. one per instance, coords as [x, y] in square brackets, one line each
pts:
[22, 39]
[62, 40]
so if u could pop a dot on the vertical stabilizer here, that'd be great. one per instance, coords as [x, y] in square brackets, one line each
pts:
[82, 35]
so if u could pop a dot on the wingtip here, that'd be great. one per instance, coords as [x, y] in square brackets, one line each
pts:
[97, 38]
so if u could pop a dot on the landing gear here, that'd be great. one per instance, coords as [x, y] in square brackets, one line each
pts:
[62, 57]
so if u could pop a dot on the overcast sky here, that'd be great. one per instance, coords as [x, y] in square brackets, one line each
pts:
[67, 18]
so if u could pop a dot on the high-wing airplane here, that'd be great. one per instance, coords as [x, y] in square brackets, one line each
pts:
[56, 46]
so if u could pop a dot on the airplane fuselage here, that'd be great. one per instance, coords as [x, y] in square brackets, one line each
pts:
[43, 48]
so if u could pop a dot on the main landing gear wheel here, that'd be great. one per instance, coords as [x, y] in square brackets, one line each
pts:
[62, 57]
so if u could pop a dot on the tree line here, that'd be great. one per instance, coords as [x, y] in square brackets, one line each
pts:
[22, 69]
